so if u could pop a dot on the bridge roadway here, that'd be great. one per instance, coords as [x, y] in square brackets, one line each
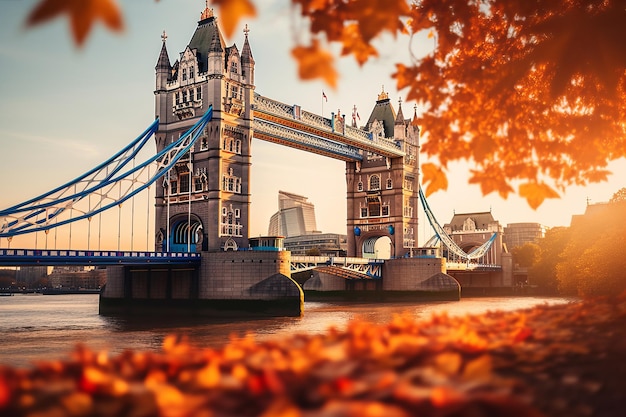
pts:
[58, 257]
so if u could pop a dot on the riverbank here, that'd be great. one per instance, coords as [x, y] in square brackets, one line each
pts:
[560, 360]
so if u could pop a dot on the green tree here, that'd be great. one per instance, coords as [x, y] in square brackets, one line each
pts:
[526, 255]
[544, 272]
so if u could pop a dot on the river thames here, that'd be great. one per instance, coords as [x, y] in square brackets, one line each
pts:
[45, 327]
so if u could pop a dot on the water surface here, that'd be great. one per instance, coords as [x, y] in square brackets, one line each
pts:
[39, 327]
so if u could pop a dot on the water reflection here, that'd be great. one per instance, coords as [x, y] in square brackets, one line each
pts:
[48, 327]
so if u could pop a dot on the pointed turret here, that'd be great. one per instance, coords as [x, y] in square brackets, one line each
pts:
[383, 113]
[217, 43]
[216, 51]
[399, 116]
[247, 61]
[415, 122]
[163, 68]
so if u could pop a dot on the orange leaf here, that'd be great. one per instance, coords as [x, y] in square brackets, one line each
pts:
[354, 44]
[315, 62]
[535, 193]
[434, 178]
[231, 11]
[82, 14]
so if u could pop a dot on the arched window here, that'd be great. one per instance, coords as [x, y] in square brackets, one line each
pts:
[374, 182]
[231, 182]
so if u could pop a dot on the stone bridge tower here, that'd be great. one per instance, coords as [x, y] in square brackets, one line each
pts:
[204, 203]
[382, 193]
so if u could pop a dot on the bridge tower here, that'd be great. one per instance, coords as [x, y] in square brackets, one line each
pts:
[382, 193]
[204, 203]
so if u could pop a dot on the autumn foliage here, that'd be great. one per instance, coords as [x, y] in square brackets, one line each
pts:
[587, 258]
[531, 93]
[528, 363]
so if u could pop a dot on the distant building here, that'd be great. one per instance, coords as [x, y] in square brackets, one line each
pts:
[29, 275]
[518, 234]
[77, 278]
[295, 219]
[591, 211]
[328, 244]
[471, 230]
[295, 216]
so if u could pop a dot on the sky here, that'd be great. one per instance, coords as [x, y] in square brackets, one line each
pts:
[64, 109]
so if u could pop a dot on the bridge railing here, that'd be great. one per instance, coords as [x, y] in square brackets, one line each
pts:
[464, 266]
[92, 257]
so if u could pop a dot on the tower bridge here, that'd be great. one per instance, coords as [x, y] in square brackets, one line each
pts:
[206, 114]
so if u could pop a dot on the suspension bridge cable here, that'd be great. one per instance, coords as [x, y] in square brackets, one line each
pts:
[447, 240]
[39, 213]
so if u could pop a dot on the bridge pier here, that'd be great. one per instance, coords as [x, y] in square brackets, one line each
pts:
[226, 284]
[403, 279]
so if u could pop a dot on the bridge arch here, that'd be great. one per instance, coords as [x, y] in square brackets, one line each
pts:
[376, 245]
[186, 234]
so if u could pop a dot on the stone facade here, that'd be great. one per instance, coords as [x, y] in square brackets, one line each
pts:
[382, 193]
[238, 275]
[204, 202]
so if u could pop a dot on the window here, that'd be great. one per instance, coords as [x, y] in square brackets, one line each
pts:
[408, 183]
[359, 186]
[389, 184]
[233, 67]
[186, 96]
[374, 182]
[237, 213]
[231, 182]
[199, 93]
[363, 211]
[184, 74]
[198, 184]
[173, 186]
[191, 95]
[191, 72]
[230, 227]
[177, 98]
[204, 143]
[184, 183]
[374, 209]
[385, 210]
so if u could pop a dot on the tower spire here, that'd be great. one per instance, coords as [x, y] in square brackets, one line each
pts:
[400, 116]
[164, 60]
[207, 12]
